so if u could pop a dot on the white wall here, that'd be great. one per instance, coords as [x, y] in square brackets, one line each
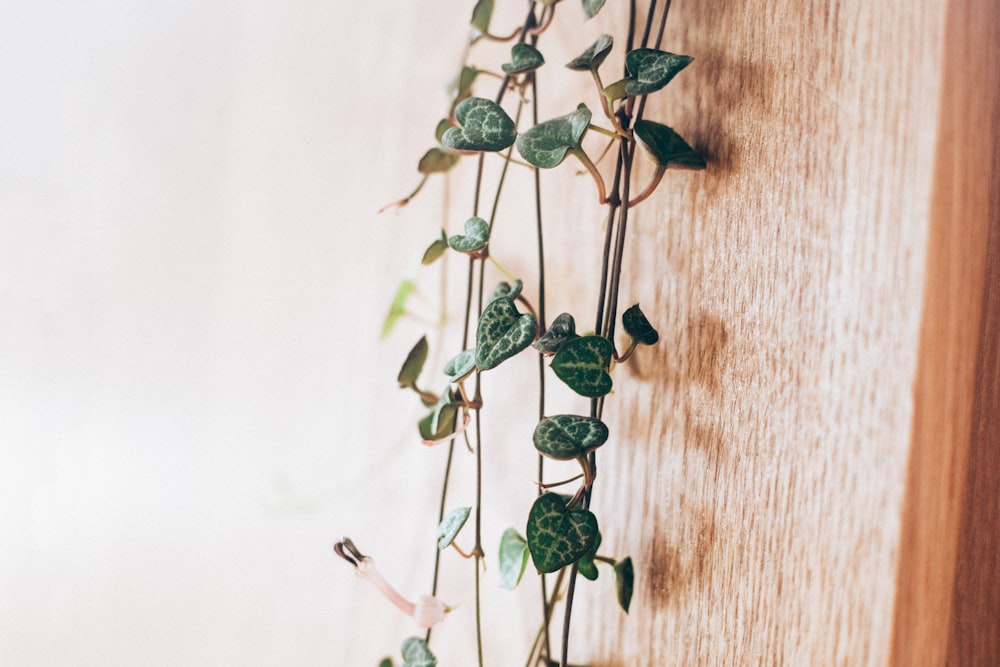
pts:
[192, 280]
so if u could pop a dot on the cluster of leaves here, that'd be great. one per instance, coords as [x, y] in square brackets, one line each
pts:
[560, 530]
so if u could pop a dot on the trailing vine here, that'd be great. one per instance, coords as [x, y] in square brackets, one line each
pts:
[561, 535]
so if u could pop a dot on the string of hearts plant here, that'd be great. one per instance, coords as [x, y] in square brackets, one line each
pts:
[561, 534]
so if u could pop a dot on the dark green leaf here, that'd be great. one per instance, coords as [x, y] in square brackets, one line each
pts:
[451, 525]
[513, 555]
[586, 564]
[484, 127]
[546, 144]
[591, 7]
[506, 289]
[435, 250]
[414, 363]
[592, 58]
[481, 16]
[638, 327]
[564, 437]
[398, 307]
[477, 235]
[386, 662]
[436, 161]
[416, 654]
[523, 58]
[558, 536]
[582, 364]
[652, 69]
[624, 580]
[561, 331]
[666, 147]
[502, 332]
[460, 366]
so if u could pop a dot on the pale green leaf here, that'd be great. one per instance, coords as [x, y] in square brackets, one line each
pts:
[436, 161]
[513, 554]
[413, 365]
[477, 235]
[460, 366]
[398, 307]
[435, 249]
[451, 525]
[591, 7]
[417, 654]
[592, 58]
[523, 58]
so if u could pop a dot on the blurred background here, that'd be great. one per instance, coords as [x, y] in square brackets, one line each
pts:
[193, 279]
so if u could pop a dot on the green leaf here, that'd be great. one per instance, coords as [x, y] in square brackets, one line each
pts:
[565, 437]
[436, 161]
[546, 144]
[414, 363]
[561, 331]
[592, 58]
[416, 654]
[624, 580]
[523, 58]
[386, 662]
[439, 423]
[638, 327]
[451, 525]
[513, 555]
[665, 147]
[481, 16]
[558, 536]
[458, 89]
[398, 307]
[591, 7]
[582, 364]
[616, 90]
[652, 69]
[586, 565]
[502, 332]
[441, 128]
[477, 235]
[484, 127]
[435, 250]
[460, 366]
[504, 288]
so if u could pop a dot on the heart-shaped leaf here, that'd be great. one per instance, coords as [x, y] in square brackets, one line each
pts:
[477, 235]
[592, 58]
[460, 366]
[414, 363]
[638, 327]
[506, 289]
[436, 161]
[435, 250]
[513, 555]
[451, 525]
[652, 69]
[484, 127]
[591, 7]
[586, 565]
[564, 437]
[558, 536]
[546, 144]
[561, 331]
[582, 364]
[523, 58]
[416, 653]
[624, 580]
[665, 147]
[502, 332]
